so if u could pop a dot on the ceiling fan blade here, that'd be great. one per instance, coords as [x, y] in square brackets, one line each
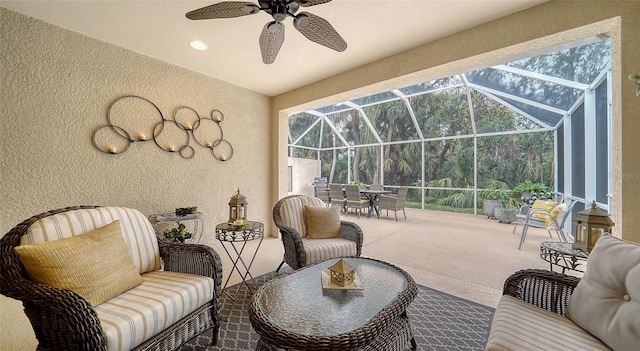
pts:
[271, 40]
[318, 30]
[307, 3]
[227, 9]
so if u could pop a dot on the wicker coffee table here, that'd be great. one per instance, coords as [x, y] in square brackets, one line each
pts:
[294, 312]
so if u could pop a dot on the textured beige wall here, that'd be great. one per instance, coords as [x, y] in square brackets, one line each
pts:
[549, 24]
[56, 88]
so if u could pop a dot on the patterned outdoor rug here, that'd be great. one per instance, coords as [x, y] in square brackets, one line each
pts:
[441, 321]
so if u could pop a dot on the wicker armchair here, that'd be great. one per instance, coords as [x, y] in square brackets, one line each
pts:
[300, 250]
[63, 320]
[394, 203]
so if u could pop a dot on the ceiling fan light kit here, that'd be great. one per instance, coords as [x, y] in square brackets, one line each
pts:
[313, 27]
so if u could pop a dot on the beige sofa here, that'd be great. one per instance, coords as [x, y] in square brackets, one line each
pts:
[543, 310]
[99, 278]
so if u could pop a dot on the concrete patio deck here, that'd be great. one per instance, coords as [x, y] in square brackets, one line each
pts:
[464, 255]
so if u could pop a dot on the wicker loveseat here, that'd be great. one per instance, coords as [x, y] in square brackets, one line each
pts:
[544, 310]
[174, 294]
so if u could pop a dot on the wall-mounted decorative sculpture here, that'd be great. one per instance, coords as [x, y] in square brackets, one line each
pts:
[636, 79]
[132, 119]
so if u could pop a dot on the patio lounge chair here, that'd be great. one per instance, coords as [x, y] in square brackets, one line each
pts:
[550, 220]
[312, 233]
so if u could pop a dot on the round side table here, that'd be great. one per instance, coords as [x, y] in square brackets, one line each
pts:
[563, 255]
[236, 238]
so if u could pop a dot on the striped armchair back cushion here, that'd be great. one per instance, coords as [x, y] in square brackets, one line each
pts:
[292, 212]
[136, 229]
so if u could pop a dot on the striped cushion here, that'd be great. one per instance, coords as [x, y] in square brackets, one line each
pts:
[317, 250]
[162, 299]
[292, 212]
[136, 229]
[518, 325]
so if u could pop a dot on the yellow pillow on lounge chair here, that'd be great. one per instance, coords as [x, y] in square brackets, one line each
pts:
[558, 212]
[322, 222]
[543, 205]
[96, 265]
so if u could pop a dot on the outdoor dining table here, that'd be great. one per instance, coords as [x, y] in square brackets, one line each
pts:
[372, 195]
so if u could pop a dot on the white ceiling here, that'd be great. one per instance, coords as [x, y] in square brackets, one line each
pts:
[373, 29]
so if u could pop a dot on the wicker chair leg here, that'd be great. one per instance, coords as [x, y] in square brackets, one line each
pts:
[216, 336]
[404, 213]
[395, 213]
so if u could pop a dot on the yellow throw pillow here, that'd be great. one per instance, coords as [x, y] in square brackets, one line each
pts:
[558, 212]
[95, 265]
[544, 205]
[322, 222]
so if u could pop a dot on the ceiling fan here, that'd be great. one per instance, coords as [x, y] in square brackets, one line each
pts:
[315, 28]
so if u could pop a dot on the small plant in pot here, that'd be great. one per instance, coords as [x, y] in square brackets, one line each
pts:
[529, 192]
[178, 234]
[183, 211]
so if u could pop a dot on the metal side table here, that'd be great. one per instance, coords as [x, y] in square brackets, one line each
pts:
[236, 238]
[563, 255]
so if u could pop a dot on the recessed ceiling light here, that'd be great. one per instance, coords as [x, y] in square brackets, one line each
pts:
[198, 45]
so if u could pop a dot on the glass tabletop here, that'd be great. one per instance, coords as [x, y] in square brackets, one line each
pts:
[298, 304]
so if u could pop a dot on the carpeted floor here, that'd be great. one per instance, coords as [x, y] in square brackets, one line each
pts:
[441, 321]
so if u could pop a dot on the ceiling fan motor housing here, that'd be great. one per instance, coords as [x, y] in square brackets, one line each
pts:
[280, 9]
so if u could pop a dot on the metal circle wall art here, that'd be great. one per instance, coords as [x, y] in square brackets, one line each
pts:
[132, 119]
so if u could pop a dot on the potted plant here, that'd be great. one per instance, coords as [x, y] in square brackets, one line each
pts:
[492, 197]
[178, 234]
[506, 215]
[529, 192]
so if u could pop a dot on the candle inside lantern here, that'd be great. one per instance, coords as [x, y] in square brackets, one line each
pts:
[241, 213]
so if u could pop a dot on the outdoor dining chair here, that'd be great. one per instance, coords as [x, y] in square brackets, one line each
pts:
[394, 203]
[322, 192]
[336, 196]
[355, 200]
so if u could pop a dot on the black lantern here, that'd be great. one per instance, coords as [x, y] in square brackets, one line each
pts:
[238, 209]
[590, 225]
